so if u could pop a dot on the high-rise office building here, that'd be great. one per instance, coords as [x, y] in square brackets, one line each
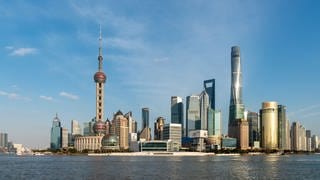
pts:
[236, 108]
[308, 140]
[204, 107]
[145, 133]
[193, 121]
[158, 128]
[288, 138]
[282, 128]
[314, 143]
[100, 78]
[75, 128]
[269, 125]
[176, 110]
[3, 140]
[298, 137]
[209, 87]
[56, 132]
[214, 122]
[86, 129]
[64, 138]
[121, 129]
[253, 121]
[131, 122]
[145, 117]
[210, 118]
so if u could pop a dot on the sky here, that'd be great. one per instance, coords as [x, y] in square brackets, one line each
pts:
[152, 50]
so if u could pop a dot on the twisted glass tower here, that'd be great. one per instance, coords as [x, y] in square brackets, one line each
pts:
[236, 108]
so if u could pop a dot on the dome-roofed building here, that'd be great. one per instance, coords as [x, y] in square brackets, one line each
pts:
[110, 142]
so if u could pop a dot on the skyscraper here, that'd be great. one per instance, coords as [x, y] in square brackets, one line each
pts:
[193, 113]
[209, 87]
[236, 108]
[145, 117]
[3, 140]
[269, 125]
[254, 135]
[176, 110]
[100, 78]
[75, 128]
[214, 122]
[204, 107]
[282, 128]
[64, 137]
[158, 128]
[314, 143]
[145, 133]
[131, 122]
[308, 140]
[121, 129]
[298, 137]
[55, 142]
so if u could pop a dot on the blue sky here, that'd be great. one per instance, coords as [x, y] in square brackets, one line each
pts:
[152, 50]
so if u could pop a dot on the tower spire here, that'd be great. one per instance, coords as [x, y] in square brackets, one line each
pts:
[100, 49]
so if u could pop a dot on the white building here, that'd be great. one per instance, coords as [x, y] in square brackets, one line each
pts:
[64, 138]
[314, 142]
[88, 143]
[75, 128]
[199, 137]
[172, 132]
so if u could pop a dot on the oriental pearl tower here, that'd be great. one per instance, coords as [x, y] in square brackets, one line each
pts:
[100, 78]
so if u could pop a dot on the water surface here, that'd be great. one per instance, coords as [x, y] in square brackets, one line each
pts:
[211, 167]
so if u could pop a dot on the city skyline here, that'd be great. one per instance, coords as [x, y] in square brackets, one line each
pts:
[48, 58]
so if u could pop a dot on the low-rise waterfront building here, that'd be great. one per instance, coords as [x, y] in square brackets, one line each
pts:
[88, 143]
[198, 140]
[172, 132]
[228, 143]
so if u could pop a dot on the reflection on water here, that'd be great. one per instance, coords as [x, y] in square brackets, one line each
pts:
[211, 167]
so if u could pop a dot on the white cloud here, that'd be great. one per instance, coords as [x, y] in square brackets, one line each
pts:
[69, 95]
[14, 96]
[9, 47]
[23, 51]
[47, 98]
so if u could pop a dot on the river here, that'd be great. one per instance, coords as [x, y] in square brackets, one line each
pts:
[169, 167]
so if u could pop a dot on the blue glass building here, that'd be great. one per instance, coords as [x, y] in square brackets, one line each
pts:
[56, 133]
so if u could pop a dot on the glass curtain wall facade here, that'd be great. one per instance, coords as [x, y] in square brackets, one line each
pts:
[56, 133]
[193, 121]
[282, 127]
[254, 134]
[236, 109]
[145, 118]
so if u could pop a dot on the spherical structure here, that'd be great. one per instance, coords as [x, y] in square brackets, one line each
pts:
[100, 77]
[99, 127]
[110, 142]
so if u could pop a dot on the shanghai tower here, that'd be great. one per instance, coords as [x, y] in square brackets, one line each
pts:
[236, 108]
